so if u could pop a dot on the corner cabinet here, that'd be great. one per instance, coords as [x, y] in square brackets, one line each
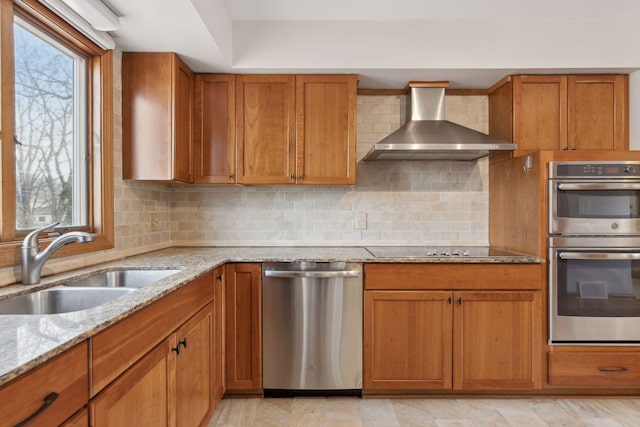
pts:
[558, 112]
[296, 129]
[422, 335]
[157, 117]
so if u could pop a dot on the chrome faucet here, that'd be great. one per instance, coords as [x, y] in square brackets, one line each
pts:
[33, 261]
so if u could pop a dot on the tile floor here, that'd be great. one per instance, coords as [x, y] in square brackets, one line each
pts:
[440, 412]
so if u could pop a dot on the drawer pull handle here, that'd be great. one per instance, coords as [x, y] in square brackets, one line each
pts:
[613, 369]
[48, 400]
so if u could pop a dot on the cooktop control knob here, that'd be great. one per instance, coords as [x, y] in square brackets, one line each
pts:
[465, 253]
[444, 252]
[628, 169]
[455, 253]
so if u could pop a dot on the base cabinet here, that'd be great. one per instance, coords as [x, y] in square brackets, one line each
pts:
[156, 367]
[416, 339]
[592, 368]
[399, 352]
[496, 340]
[243, 307]
[49, 394]
[172, 385]
[141, 396]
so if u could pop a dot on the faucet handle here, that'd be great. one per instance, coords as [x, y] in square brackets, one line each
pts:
[31, 241]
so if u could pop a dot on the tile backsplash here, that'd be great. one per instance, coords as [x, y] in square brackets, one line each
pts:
[402, 202]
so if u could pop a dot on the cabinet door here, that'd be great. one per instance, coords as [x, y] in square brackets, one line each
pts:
[598, 112]
[265, 115]
[157, 105]
[496, 340]
[214, 159]
[142, 396]
[182, 120]
[219, 376]
[244, 328]
[540, 112]
[407, 340]
[194, 369]
[326, 129]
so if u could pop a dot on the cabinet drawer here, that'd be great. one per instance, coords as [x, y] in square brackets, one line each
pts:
[67, 375]
[119, 347]
[457, 276]
[594, 369]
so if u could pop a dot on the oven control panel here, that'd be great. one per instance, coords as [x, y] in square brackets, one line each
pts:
[594, 170]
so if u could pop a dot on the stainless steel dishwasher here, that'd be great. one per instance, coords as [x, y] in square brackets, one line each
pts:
[312, 328]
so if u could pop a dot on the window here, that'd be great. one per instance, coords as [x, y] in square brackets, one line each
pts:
[57, 167]
[50, 101]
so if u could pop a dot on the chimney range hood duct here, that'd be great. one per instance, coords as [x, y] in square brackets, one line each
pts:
[427, 136]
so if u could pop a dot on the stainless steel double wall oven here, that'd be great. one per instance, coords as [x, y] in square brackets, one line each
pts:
[594, 252]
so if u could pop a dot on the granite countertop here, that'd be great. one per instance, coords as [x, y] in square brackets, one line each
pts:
[30, 340]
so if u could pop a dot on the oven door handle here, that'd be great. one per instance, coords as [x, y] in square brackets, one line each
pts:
[615, 256]
[598, 186]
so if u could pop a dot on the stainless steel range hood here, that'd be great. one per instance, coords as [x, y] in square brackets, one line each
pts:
[428, 136]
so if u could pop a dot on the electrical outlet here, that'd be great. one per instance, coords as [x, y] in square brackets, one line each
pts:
[361, 221]
[155, 222]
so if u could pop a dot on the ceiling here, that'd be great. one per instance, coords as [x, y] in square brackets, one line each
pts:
[471, 43]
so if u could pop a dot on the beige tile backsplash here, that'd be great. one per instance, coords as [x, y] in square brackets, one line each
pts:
[420, 203]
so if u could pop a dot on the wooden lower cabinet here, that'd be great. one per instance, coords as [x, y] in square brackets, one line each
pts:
[142, 396]
[426, 340]
[172, 385]
[243, 297]
[595, 369]
[219, 337]
[407, 340]
[496, 340]
[194, 369]
[49, 394]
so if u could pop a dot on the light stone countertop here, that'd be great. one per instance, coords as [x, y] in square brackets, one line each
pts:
[30, 340]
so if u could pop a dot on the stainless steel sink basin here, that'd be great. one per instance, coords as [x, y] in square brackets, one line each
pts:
[60, 299]
[129, 278]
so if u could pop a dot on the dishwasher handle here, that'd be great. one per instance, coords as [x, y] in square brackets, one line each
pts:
[313, 274]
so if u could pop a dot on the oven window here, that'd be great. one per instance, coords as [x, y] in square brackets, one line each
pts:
[598, 288]
[617, 204]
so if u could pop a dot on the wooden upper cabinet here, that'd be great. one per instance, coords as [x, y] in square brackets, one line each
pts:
[214, 159]
[549, 112]
[540, 112]
[157, 117]
[265, 119]
[598, 112]
[326, 129]
[296, 129]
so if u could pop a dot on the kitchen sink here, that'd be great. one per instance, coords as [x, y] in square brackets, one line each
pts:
[60, 299]
[128, 278]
